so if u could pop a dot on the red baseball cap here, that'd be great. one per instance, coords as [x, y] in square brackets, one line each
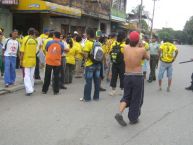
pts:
[134, 36]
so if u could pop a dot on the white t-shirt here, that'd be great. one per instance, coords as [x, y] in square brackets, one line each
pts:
[12, 47]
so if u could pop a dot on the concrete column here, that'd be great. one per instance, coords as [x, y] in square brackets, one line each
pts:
[6, 21]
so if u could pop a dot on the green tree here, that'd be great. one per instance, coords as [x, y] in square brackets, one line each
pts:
[188, 29]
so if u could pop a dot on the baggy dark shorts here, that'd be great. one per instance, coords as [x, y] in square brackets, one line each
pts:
[133, 94]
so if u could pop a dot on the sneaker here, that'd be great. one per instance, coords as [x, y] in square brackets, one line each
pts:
[134, 122]
[190, 88]
[102, 89]
[56, 93]
[63, 87]
[149, 81]
[83, 100]
[6, 85]
[28, 94]
[168, 89]
[120, 120]
[112, 93]
[44, 92]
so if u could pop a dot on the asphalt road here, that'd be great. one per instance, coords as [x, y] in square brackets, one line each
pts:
[167, 118]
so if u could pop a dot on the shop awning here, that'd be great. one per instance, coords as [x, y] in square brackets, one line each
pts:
[39, 6]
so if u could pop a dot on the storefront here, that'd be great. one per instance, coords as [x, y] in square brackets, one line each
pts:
[6, 15]
[41, 14]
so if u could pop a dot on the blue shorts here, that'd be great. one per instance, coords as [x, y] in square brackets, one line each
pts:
[165, 67]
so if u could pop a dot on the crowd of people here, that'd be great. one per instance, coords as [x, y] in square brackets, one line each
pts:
[95, 57]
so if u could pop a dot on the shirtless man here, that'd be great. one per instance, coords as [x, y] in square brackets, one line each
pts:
[133, 80]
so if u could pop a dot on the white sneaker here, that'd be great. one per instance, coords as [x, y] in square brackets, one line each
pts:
[112, 93]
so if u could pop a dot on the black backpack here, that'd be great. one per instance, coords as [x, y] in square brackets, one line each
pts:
[116, 54]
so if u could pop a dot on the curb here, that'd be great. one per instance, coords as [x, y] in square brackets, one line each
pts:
[17, 88]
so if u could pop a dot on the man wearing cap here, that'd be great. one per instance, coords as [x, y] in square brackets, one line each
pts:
[133, 80]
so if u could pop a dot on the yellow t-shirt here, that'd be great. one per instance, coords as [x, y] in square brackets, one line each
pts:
[45, 43]
[44, 36]
[108, 45]
[167, 52]
[146, 46]
[29, 47]
[87, 48]
[79, 51]
[70, 56]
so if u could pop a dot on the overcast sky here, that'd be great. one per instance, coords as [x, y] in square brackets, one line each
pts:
[169, 13]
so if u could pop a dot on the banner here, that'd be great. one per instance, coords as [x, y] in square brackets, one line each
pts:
[9, 2]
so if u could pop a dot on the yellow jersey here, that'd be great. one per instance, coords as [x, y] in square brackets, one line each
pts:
[79, 51]
[87, 48]
[167, 52]
[70, 56]
[45, 43]
[29, 48]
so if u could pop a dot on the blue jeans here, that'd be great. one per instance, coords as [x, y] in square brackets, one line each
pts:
[10, 66]
[92, 73]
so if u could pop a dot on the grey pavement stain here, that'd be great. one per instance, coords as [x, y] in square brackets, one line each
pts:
[78, 139]
[157, 121]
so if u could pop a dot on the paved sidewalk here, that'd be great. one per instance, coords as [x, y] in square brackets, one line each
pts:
[19, 85]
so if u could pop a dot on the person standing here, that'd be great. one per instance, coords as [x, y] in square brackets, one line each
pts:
[118, 64]
[1, 54]
[28, 60]
[70, 61]
[54, 50]
[190, 88]
[154, 59]
[133, 80]
[10, 53]
[167, 54]
[92, 69]
[40, 40]
[79, 58]
[63, 63]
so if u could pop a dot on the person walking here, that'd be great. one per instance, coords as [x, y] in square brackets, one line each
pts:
[133, 80]
[167, 54]
[10, 53]
[54, 49]
[154, 59]
[118, 64]
[28, 60]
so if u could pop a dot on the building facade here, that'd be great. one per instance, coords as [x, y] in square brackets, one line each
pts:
[64, 15]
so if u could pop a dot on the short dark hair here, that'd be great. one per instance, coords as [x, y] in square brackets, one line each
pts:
[51, 34]
[168, 40]
[78, 38]
[113, 35]
[70, 42]
[121, 36]
[31, 31]
[133, 43]
[127, 41]
[57, 34]
[90, 33]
